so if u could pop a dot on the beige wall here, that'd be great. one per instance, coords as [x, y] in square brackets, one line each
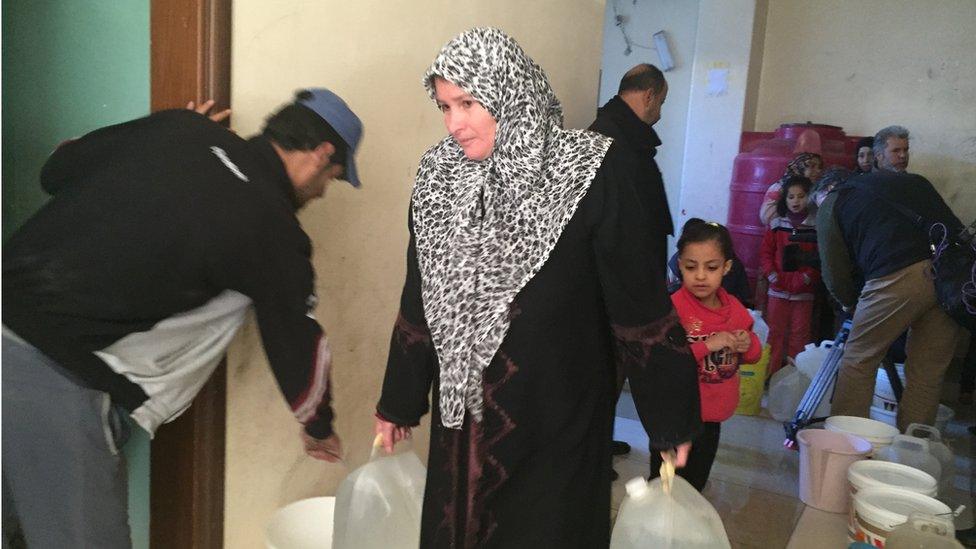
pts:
[868, 64]
[724, 41]
[373, 53]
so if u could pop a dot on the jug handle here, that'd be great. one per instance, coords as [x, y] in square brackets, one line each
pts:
[377, 444]
[667, 470]
[928, 432]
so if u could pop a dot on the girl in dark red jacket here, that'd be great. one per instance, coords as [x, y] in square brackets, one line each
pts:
[720, 333]
[792, 280]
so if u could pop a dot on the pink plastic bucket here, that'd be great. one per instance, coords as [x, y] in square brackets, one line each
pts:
[825, 457]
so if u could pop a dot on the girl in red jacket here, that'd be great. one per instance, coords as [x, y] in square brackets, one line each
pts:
[792, 281]
[720, 333]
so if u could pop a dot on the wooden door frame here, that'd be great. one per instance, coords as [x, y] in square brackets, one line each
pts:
[190, 60]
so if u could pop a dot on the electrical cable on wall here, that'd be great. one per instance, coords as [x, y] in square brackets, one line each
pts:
[621, 22]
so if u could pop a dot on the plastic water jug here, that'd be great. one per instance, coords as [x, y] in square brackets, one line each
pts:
[879, 511]
[667, 513]
[809, 360]
[926, 531]
[378, 505]
[938, 449]
[911, 451]
[786, 389]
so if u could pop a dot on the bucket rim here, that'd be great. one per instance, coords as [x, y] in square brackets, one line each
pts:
[842, 423]
[857, 471]
[854, 440]
[862, 501]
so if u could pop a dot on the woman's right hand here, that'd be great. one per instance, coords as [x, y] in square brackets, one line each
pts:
[391, 433]
[719, 341]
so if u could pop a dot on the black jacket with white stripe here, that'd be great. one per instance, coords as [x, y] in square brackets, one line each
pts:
[158, 235]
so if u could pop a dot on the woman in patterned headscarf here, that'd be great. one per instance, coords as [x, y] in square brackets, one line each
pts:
[833, 176]
[529, 281]
[808, 165]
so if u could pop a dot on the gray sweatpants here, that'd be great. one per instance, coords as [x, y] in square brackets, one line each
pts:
[64, 479]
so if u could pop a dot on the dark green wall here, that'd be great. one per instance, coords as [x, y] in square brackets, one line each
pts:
[70, 66]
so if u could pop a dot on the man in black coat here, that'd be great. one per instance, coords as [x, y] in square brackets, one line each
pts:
[629, 118]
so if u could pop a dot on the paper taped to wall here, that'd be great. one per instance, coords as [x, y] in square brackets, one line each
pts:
[718, 82]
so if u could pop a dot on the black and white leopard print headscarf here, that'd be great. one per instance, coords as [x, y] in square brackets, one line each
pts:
[484, 228]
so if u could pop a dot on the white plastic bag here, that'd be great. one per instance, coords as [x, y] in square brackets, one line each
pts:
[667, 513]
[786, 389]
[759, 327]
[378, 505]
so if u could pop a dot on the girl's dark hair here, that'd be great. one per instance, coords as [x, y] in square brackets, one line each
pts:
[699, 230]
[796, 180]
[298, 128]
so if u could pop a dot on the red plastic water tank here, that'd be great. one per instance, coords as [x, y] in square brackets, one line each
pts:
[762, 159]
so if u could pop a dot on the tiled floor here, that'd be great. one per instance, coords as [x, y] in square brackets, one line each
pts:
[753, 484]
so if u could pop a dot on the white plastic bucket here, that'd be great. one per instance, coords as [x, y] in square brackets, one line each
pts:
[884, 415]
[878, 511]
[824, 459]
[877, 433]
[884, 396]
[872, 473]
[304, 524]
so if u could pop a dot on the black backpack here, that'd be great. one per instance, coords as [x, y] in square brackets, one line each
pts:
[953, 263]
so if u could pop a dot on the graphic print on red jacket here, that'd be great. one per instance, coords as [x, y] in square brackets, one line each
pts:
[718, 379]
[798, 285]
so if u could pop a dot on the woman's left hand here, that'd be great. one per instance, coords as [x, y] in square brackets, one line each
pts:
[204, 107]
[391, 433]
[681, 452]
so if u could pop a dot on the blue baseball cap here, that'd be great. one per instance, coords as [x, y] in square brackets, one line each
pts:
[334, 110]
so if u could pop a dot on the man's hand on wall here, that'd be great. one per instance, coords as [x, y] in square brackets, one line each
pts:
[218, 117]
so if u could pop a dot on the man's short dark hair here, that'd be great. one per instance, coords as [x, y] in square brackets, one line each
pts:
[296, 127]
[643, 77]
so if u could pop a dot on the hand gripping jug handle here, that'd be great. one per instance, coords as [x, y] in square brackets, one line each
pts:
[377, 444]
[667, 470]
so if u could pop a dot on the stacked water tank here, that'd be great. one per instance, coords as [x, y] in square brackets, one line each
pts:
[761, 161]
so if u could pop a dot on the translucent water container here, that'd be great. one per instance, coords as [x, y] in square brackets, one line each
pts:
[667, 513]
[378, 505]
[911, 451]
